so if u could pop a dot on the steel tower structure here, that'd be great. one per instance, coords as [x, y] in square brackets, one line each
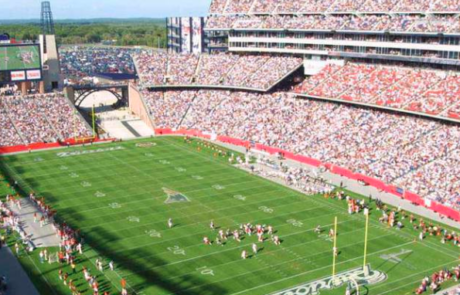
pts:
[47, 19]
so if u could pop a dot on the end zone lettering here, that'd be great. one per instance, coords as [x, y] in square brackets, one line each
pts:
[79, 153]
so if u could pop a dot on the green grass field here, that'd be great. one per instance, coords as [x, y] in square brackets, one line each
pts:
[116, 199]
[10, 58]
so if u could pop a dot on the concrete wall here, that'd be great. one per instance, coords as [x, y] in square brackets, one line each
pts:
[137, 106]
[50, 58]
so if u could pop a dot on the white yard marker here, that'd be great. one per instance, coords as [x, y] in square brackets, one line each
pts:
[133, 219]
[114, 206]
[85, 184]
[205, 271]
[295, 223]
[176, 250]
[240, 197]
[153, 233]
[266, 209]
[218, 187]
[98, 194]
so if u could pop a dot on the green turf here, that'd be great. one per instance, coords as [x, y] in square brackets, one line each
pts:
[134, 178]
[10, 58]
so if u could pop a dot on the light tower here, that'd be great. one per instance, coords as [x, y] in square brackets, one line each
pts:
[47, 19]
[49, 50]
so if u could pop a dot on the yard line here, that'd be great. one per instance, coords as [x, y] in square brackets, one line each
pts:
[192, 206]
[122, 219]
[262, 254]
[202, 222]
[195, 234]
[266, 254]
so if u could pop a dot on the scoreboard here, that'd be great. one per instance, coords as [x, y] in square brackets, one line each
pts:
[19, 63]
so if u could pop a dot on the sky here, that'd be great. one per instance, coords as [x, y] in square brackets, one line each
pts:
[77, 9]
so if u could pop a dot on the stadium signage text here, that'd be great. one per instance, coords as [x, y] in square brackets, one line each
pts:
[34, 75]
[314, 288]
[18, 76]
[79, 153]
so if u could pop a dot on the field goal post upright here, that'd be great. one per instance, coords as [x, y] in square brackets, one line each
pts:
[366, 234]
[334, 250]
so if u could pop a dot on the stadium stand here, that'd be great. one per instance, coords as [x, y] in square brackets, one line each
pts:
[375, 23]
[86, 61]
[339, 6]
[223, 70]
[39, 119]
[414, 89]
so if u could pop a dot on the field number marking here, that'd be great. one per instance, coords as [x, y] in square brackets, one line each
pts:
[98, 194]
[164, 162]
[74, 175]
[205, 271]
[180, 169]
[240, 197]
[176, 250]
[153, 233]
[266, 209]
[197, 177]
[218, 187]
[295, 223]
[133, 219]
[114, 205]
[85, 184]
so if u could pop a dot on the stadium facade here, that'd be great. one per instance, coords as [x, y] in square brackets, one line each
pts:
[187, 35]
[390, 30]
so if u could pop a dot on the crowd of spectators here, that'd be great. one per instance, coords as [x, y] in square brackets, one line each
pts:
[86, 61]
[377, 22]
[230, 70]
[315, 6]
[413, 153]
[38, 119]
[419, 90]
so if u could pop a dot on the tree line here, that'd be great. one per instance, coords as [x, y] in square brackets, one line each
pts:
[143, 33]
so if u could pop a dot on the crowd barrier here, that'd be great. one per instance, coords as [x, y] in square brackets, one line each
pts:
[378, 184]
[44, 146]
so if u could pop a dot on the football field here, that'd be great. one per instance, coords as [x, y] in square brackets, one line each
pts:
[120, 196]
[19, 58]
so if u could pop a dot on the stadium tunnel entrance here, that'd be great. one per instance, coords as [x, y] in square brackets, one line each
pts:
[79, 93]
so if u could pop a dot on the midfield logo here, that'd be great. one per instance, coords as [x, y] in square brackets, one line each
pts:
[328, 283]
[174, 197]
